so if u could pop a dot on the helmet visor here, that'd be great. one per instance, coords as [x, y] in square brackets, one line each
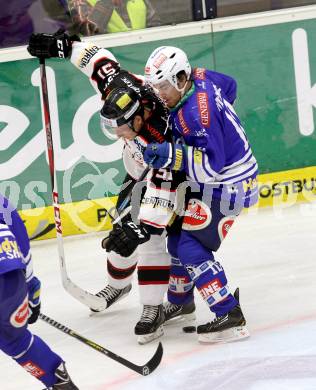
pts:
[109, 120]
[163, 87]
[108, 130]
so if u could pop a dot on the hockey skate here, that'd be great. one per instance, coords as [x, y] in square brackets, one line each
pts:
[184, 314]
[150, 327]
[112, 295]
[226, 328]
[64, 382]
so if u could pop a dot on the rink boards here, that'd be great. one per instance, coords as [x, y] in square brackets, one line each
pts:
[277, 113]
[276, 189]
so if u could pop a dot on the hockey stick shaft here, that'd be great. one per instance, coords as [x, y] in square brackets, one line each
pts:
[78, 293]
[146, 369]
[121, 211]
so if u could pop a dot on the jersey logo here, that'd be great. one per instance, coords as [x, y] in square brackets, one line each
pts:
[224, 226]
[184, 127]
[160, 60]
[9, 249]
[199, 73]
[60, 48]
[210, 288]
[88, 54]
[157, 136]
[33, 369]
[19, 317]
[204, 110]
[197, 215]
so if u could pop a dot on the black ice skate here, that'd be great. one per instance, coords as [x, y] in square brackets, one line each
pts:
[112, 295]
[226, 328]
[150, 327]
[179, 313]
[64, 382]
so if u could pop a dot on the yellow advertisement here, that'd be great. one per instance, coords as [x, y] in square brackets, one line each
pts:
[278, 188]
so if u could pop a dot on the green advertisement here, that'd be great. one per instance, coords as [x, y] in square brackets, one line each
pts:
[275, 67]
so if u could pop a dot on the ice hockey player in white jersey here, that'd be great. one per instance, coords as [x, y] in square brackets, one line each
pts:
[20, 305]
[140, 117]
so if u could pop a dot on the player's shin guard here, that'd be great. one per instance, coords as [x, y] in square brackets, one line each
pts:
[120, 270]
[153, 271]
[180, 289]
[39, 360]
[180, 306]
[210, 279]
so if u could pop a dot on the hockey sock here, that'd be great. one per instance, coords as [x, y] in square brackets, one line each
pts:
[180, 290]
[210, 279]
[40, 361]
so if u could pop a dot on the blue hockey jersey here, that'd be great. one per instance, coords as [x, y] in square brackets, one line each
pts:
[14, 242]
[217, 148]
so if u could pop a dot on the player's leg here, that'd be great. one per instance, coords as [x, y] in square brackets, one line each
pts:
[119, 269]
[28, 350]
[153, 276]
[180, 306]
[119, 278]
[204, 228]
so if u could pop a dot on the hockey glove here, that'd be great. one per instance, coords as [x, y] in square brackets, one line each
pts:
[126, 238]
[51, 45]
[34, 292]
[165, 155]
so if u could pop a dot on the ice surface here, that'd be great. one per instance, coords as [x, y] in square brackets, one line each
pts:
[270, 255]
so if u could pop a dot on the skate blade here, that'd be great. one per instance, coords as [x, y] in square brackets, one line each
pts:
[226, 336]
[96, 313]
[183, 319]
[147, 338]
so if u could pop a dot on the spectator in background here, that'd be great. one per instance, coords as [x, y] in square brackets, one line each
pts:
[72, 15]
[15, 23]
[109, 16]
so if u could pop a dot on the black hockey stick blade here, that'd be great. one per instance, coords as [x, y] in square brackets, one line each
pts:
[153, 362]
[144, 370]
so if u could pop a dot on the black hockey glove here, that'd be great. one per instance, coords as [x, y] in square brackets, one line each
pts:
[126, 238]
[51, 45]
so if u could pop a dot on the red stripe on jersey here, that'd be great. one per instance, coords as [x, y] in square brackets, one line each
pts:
[142, 283]
[161, 188]
[153, 223]
[153, 267]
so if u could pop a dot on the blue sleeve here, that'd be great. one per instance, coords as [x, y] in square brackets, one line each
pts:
[205, 153]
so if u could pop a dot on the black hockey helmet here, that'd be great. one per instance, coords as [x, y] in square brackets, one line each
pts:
[120, 106]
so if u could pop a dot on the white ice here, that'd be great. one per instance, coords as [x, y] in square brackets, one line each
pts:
[270, 255]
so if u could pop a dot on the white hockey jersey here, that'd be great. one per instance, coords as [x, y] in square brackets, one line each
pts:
[104, 73]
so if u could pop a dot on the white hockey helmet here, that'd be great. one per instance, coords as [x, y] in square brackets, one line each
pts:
[165, 63]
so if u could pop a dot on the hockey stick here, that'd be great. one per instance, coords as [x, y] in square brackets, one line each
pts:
[88, 299]
[145, 369]
[121, 211]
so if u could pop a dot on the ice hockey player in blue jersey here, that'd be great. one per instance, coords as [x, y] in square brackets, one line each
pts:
[20, 305]
[212, 148]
